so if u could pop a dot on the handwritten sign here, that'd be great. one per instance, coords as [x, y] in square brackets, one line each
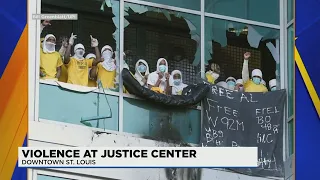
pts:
[234, 119]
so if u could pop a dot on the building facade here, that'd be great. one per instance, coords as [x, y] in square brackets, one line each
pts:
[190, 34]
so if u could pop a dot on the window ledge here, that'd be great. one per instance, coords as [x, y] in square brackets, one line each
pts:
[105, 91]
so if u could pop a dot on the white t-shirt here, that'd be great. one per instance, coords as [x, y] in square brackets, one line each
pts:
[153, 78]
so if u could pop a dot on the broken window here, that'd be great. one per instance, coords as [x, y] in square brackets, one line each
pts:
[227, 41]
[91, 22]
[153, 33]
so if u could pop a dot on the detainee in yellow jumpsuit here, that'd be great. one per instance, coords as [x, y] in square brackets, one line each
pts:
[105, 71]
[50, 60]
[254, 84]
[78, 66]
[213, 74]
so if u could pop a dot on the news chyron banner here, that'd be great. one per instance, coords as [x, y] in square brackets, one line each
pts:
[155, 157]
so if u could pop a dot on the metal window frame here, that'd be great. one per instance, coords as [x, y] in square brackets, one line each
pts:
[283, 68]
[288, 118]
[290, 23]
[121, 29]
[202, 55]
[244, 21]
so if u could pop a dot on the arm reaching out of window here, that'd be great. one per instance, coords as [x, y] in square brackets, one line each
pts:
[64, 45]
[94, 44]
[245, 68]
[44, 24]
[68, 50]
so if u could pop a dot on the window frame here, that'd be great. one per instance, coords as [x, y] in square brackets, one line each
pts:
[290, 151]
[288, 117]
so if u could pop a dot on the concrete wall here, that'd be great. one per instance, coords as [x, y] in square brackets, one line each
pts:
[51, 133]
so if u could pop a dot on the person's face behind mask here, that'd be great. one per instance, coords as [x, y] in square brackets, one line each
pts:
[162, 66]
[231, 85]
[79, 53]
[51, 40]
[142, 68]
[176, 79]
[256, 80]
[107, 54]
[274, 88]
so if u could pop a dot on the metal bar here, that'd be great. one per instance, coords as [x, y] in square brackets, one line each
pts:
[290, 23]
[120, 55]
[37, 64]
[98, 105]
[33, 34]
[289, 119]
[202, 55]
[244, 21]
[283, 76]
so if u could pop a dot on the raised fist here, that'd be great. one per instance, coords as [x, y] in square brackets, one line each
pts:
[247, 55]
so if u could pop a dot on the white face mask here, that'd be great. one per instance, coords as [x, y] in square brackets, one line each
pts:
[107, 54]
[215, 75]
[108, 63]
[51, 47]
[79, 54]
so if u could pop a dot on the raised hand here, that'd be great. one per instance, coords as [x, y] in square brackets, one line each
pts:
[72, 38]
[160, 75]
[247, 55]
[94, 42]
[167, 76]
[46, 23]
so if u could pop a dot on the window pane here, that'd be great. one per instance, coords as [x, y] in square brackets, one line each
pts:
[226, 42]
[291, 137]
[188, 4]
[66, 106]
[61, 101]
[246, 9]
[157, 122]
[44, 177]
[153, 33]
[290, 11]
[291, 64]
[91, 14]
